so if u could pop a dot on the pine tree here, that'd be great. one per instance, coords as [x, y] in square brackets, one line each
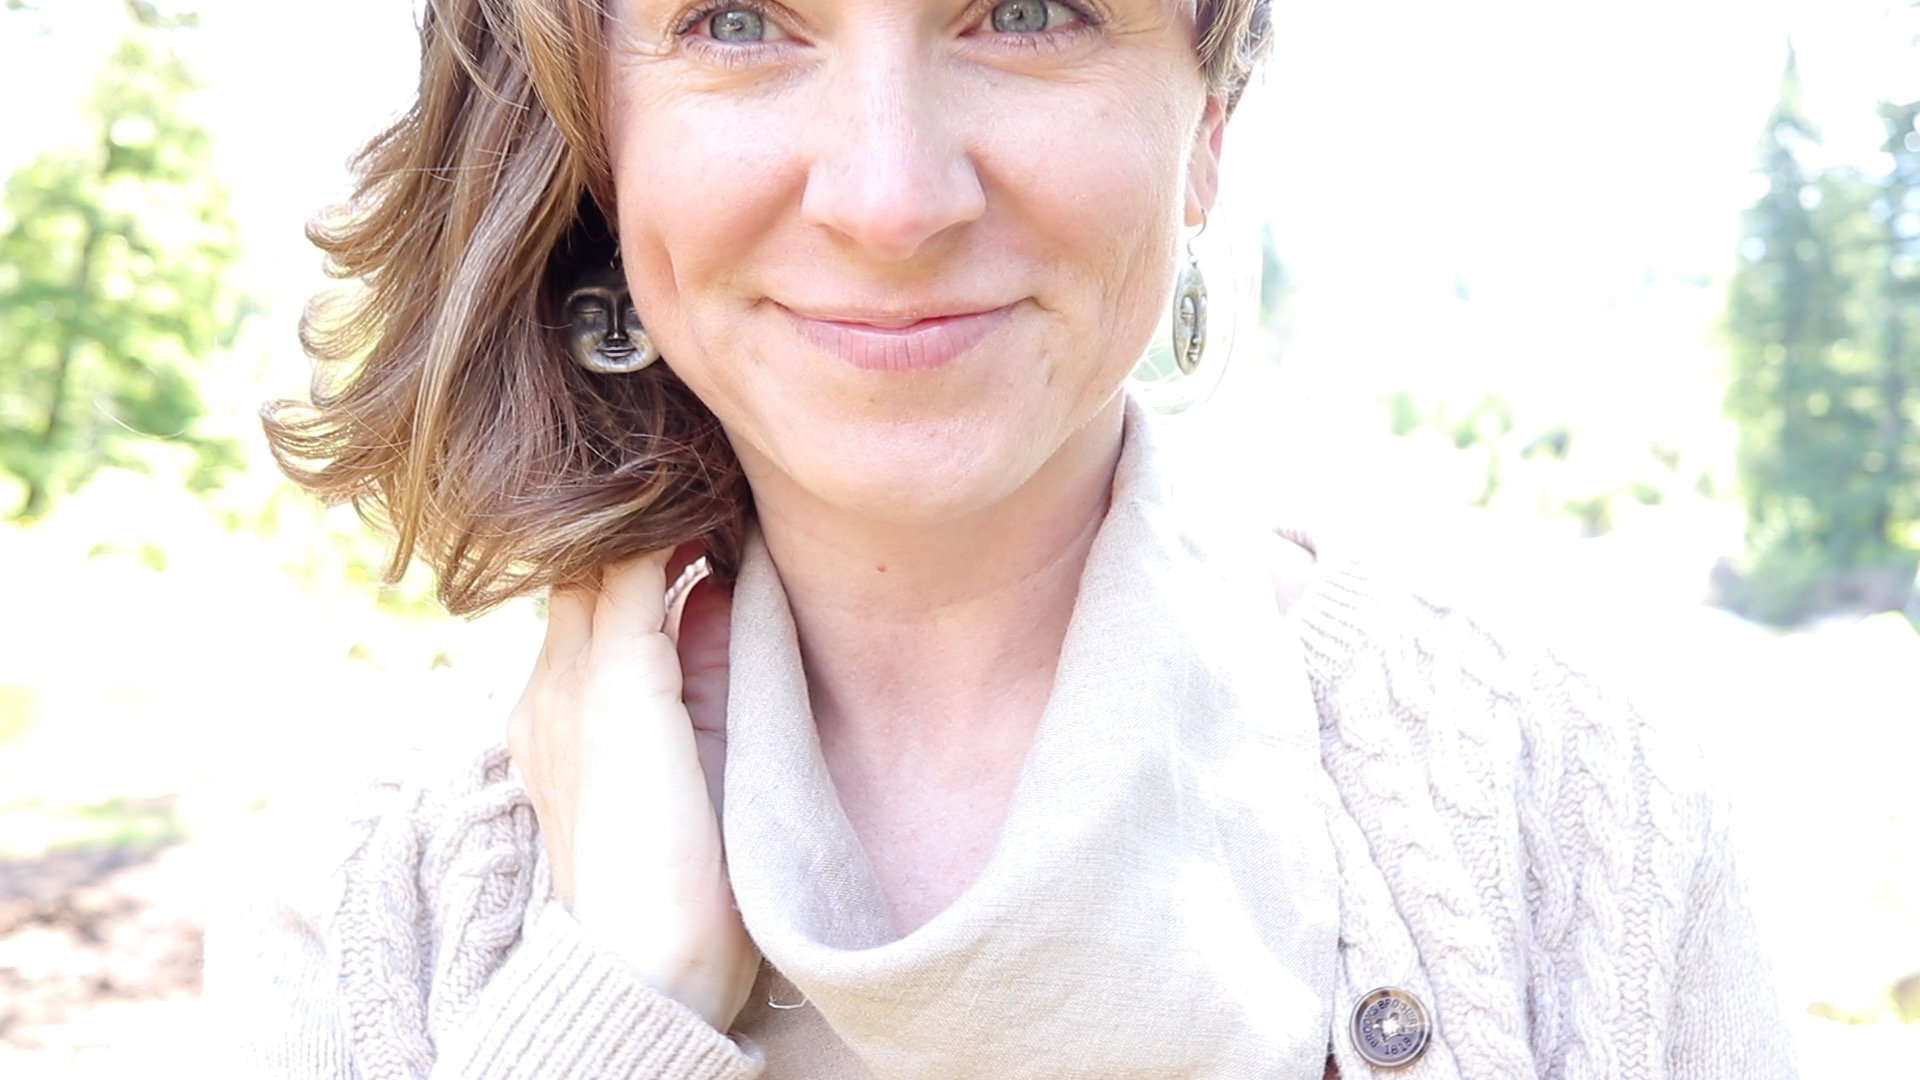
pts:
[113, 256]
[1822, 383]
[1896, 328]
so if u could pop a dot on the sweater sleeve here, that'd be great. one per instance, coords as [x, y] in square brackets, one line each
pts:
[561, 1006]
[425, 955]
[1727, 1018]
[269, 992]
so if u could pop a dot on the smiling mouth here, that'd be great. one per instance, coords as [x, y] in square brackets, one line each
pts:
[899, 344]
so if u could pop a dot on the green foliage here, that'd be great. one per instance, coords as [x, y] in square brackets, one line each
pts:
[37, 826]
[19, 708]
[1276, 288]
[1823, 316]
[113, 293]
[1525, 464]
[126, 822]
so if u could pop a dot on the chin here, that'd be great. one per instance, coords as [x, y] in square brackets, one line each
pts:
[915, 475]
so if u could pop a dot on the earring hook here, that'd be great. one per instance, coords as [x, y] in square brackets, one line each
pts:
[1198, 233]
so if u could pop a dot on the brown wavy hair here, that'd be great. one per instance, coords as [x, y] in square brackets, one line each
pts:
[443, 404]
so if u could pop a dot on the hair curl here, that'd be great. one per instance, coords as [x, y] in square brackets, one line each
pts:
[442, 404]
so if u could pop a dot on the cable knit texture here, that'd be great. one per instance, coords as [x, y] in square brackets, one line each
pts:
[1510, 842]
[425, 954]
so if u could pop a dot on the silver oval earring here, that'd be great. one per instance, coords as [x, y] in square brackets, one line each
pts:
[1190, 311]
[604, 334]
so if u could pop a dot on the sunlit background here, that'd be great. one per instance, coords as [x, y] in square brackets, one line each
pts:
[1478, 260]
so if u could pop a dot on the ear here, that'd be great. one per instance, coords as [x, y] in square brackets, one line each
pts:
[1203, 161]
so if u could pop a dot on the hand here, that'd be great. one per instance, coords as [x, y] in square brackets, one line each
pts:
[620, 737]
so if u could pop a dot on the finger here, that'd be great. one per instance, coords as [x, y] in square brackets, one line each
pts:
[631, 604]
[569, 624]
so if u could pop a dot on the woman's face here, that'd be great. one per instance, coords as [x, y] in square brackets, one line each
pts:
[906, 249]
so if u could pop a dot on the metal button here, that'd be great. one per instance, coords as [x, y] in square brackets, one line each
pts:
[1389, 1028]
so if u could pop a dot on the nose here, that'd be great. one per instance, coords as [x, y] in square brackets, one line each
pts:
[890, 168]
[619, 316]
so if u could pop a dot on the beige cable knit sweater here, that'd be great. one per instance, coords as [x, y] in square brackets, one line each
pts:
[1230, 827]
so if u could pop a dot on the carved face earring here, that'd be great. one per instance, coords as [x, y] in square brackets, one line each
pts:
[604, 334]
[1190, 311]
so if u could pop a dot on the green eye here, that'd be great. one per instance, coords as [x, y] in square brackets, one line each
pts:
[1022, 16]
[738, 25]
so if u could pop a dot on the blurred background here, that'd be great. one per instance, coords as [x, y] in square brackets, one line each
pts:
[1609, 317]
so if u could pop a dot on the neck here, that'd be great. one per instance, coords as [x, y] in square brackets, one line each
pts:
[917, 636]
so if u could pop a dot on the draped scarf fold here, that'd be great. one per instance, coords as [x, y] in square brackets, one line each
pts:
[1163, 896]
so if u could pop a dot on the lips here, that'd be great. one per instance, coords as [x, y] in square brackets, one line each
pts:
[878, 342]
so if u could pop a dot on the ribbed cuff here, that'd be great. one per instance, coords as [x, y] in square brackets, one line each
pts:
[563, 1006]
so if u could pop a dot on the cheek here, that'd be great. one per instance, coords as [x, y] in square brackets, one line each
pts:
[700, 181]
[1097, 180]
[1099, 166]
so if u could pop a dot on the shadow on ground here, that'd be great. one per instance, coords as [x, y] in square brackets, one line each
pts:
[82, 929]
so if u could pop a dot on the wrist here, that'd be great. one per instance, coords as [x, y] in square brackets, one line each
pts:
[680, 964]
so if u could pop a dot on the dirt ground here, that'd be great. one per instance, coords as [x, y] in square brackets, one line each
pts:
[99, 960]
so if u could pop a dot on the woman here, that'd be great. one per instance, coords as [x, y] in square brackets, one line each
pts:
[1024, 767]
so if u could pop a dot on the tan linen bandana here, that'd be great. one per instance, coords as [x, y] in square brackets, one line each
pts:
[1162, 898]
